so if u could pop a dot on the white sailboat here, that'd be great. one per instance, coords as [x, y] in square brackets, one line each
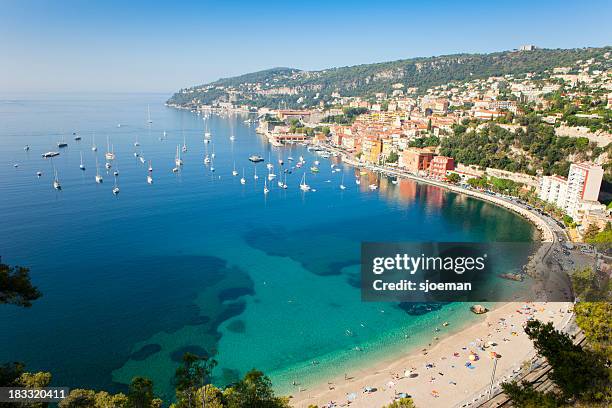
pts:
[212, 155]
[149, 179]
[116, 187]
[266, 190]
[177, 158]
[232, 138]
[136, 142]
[303, 185]
[342, 186]
[149, 115]
[234, 172]
[255, 176]
[82, 166]
[99, 178]
[150, 167]
[26, 148]
[270, 166]
[39, 174]
[243, 180]
[94, 148]
[285, 182]
[271, 176]
[184, 148]
[56, 183]
[110, 154]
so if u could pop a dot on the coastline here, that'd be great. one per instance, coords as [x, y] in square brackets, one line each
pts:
[448, 382]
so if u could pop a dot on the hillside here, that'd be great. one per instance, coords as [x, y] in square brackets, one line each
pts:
[295, 88]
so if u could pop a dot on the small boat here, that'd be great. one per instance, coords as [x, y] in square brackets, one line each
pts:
[372, 187]
[271, 176]
[26, 148]
[108, 166]
[149, 179]
[394, 181]
[56, 183]
[316, 162]
[206, 159]
[290, 158]
[314, 169]
[116, 187]
[212, 155]
[206, 141]
[256, 158]
[142, 160]
[62, 144]
[177, 158]
[82, 166]
[150, 167]
[136, 154]
[175, 169]
[77, 137]
[207, 135]
[50, 154]
[39, 174]
[357, 181]
[303, 185]
[232, 138]
[266, 190]
[285, 182]
[15, 165]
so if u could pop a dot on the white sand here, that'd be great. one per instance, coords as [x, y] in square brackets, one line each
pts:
[458, 382]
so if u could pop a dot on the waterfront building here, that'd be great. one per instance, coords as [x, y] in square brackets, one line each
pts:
[440, 165]
[416, 160]
[553, 190]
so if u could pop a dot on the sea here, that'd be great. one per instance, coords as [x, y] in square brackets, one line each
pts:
[198, 262]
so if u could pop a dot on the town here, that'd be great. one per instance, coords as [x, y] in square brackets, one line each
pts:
[542, 137]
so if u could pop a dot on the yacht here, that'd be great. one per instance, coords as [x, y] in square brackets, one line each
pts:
[177, 158]
[98, 176]
[256, 158]
[50, 154]
[303, 185]
[116, 188]
[82, 166]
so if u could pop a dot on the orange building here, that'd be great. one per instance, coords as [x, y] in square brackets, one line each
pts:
[415, 160]
[440, 165]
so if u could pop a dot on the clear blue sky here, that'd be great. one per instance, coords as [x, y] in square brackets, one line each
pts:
[134, 45]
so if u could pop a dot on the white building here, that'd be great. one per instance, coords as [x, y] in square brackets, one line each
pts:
[553, 189]
[582, 185]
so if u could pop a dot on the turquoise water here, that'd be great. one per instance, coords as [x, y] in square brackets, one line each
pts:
[198, 262]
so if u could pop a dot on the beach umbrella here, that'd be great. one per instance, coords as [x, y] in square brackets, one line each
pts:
[351, 397]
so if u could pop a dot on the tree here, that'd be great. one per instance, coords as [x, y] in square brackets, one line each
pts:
[401, 403]
[254, 390]
[453, 178]
[79, 398]
[591, 231]
[595, 320]
[140, 393]
[16, 287]
[579, 373]
[602, 240]
[190, 376]
[393, 157]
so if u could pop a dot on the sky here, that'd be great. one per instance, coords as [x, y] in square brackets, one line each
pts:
[155, 46]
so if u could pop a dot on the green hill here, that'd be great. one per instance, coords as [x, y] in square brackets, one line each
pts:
[295, 88]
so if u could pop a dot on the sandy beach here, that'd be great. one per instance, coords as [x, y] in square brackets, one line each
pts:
[445, 374]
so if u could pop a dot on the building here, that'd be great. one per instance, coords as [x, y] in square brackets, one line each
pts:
[582, 185]
[553, 189]
[371, 149]
[440, 165]
[527, 47]
[416, 160]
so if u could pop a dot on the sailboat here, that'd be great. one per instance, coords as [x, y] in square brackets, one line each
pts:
[234, 172]
[285, 182]
[303, 185]
[232, 138]
[270, 166]
[271, 176]
[150, 167]
[98, 176]
[342, 186]
[266, 190]
[149, 179]
[136, 142]
[82, 166]
[177, 158]
[116, 172]
[142, 160]
[39, 174]
[212, 166]
[62, 143]
[243, 180]
[110, 154]
[56, 183]
[26, 148]
[255, 176]
[116, 187]
[93, 144]
[184, 148]
[149, 115]
[212, 155]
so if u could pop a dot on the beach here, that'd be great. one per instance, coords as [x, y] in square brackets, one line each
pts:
[449, 371]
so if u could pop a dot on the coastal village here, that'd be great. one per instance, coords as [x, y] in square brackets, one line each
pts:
[405, 131]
